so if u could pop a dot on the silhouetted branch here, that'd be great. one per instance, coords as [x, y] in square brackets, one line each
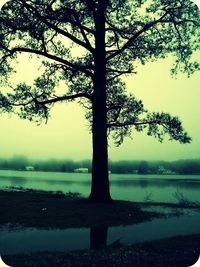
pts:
[91, 4]
[118, 73]
[83, 29]
[57, 29]
[53, 100]
[53, 57]
[130, 123]
[113, 107]
[134, 36]
[67, 97]
[146, 27]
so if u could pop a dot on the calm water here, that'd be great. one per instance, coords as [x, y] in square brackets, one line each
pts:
[33, 240]
[123, 186]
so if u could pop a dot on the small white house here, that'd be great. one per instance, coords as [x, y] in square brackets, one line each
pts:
[81, 170]
[162, 170]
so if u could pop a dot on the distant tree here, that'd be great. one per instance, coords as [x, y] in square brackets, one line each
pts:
[89, 45]
[186, 166]
[143, 167]
[3, 164]
[18, 162]
[69, 165]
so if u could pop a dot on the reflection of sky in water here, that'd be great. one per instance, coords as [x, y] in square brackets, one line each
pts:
[157, 229]
[31, 240]
[123, 186]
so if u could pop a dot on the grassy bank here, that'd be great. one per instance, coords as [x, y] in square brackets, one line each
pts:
[56, 210]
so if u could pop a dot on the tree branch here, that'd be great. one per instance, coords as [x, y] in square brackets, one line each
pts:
[129, 123]
[144, 29]
[53, 57]
[67, 97]
[118, 73]
[83, 29]
[57, 29]
[136, 35]
[53, 100]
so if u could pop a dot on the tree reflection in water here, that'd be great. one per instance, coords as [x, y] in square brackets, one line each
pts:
[98, 237]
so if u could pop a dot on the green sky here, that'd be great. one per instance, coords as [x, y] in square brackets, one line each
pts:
[66, 134]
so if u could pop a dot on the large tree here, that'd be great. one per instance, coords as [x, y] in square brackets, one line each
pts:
[89, 45]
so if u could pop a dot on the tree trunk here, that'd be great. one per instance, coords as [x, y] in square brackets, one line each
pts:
[100, 191]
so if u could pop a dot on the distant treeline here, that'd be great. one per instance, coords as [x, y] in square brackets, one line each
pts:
[125, 166]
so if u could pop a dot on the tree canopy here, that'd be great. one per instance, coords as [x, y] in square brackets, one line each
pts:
[63, 34]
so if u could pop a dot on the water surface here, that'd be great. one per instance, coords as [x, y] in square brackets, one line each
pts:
[34, 240]
[127, 187]
[133, 187]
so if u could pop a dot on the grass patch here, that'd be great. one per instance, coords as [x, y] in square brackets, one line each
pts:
[57, 210]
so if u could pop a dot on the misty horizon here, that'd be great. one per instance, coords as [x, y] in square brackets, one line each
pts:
[90, 159]
[178, 167]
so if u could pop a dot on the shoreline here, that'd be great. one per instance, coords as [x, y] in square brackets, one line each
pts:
[48, 209]
[26, 208]
[44, 209]
[180, 251]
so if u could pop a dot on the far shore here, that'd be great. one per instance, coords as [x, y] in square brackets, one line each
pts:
[110, 173]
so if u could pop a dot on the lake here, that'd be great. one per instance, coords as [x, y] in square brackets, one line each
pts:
[133, 187]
